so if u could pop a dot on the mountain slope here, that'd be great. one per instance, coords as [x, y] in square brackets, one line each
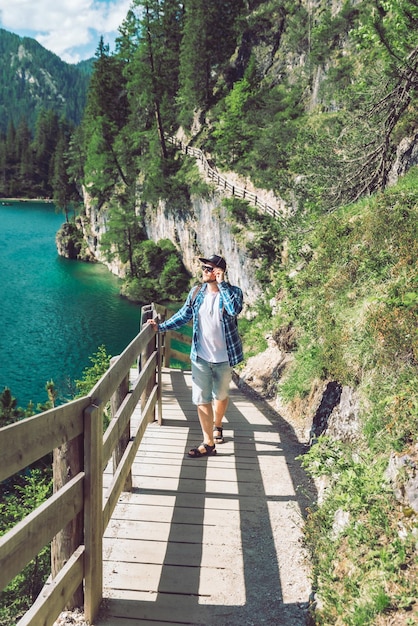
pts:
[32, 78]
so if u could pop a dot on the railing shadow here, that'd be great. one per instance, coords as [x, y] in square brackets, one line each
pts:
[208, 502]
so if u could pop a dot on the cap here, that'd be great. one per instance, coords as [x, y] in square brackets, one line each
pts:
[216, 260]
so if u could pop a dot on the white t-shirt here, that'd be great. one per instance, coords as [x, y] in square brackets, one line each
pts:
[211, 344]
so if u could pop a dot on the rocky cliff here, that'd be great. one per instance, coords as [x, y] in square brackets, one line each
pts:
[201, 230]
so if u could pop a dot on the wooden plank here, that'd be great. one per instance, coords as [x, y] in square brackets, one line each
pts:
[118, 423]
[188, 534]
[25, 540]
[105, 387]
[93, 518]
[170, 609]
[138, 550]
[125, 465]
[28, 440]
[56, 593]
[181, 337]
[138, 578]
[179, 356]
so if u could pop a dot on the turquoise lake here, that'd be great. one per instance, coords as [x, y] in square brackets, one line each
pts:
[54, 313]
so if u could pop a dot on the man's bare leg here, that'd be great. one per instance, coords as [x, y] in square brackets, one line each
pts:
[205, 413]
[220, 407]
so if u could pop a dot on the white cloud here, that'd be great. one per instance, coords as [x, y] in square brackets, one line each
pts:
[70, 28]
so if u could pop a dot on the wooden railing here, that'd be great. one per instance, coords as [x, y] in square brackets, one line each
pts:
[79, 423]
[223, 183]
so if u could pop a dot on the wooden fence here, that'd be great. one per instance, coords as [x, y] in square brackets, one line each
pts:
[80, 423]
[223, 183]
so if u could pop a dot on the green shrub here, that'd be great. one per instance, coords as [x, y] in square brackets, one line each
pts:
[15, 504]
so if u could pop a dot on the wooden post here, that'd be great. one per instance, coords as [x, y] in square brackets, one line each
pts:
[151, 383]
[147, 313]
[159, 381]
[115, 402]
[93, 511]
[167, 349]
[67, 463]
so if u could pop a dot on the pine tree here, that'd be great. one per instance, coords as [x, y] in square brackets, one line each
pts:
[24, 175]
[106, 115]
[65, 194]
[153, 73]
[45, 141]
[209, 38]
[9, 411]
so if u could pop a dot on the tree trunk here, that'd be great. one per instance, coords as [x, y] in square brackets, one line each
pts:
[67, 463]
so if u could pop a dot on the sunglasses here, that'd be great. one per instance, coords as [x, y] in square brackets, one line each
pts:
[207, 268]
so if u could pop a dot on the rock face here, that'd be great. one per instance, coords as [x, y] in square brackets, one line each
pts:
[71, 244]
[402, 474]
[406, 157]
[201, 230]
[331, 409]
[262, 372]
[337, 414]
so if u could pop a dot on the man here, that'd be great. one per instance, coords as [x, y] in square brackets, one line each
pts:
[216, 347]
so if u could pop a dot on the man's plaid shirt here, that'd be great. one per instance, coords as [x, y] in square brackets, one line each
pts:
[230, 304]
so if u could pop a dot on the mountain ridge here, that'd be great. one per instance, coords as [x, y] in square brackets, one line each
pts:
[33, 78]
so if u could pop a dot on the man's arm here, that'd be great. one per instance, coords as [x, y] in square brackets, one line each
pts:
[232, 298]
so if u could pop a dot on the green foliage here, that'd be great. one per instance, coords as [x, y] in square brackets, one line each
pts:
[329, 32]
[393, 418]
[363, 566]
[65, 193]
[161, 274]
[9, 411]
[255, 128]
[353, 305]
[191, 180]
[357, 254]
[232, 134]
[35, 166]
[91, 375]
[254, 331]
[123, 233]
[389, 25]
[209, 37]
[307, 367]
[22, 591]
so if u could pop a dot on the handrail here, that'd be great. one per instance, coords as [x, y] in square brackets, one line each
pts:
[23, 443]
[223, 183]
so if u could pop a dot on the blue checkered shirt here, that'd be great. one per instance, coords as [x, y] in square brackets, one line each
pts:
[230, 304]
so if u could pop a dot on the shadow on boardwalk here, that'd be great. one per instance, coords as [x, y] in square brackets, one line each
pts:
[212, 540]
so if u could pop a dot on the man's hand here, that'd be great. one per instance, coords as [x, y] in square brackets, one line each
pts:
[154, 324]
[219, 274]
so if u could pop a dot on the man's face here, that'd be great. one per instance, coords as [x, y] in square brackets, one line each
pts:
[208, 273]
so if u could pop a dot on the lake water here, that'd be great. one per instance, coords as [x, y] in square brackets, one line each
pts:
[54, 313]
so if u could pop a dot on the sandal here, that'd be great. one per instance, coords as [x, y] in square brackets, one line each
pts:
[195, 452]
[219, 438]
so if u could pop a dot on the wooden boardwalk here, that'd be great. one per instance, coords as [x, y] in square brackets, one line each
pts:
[213, 541]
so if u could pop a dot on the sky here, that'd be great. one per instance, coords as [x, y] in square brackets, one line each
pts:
[69, 28]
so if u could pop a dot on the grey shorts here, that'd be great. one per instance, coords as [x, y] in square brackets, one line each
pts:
[210, 381]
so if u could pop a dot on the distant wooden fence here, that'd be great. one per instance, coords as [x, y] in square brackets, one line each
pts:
[223, 183]
[24, 442]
